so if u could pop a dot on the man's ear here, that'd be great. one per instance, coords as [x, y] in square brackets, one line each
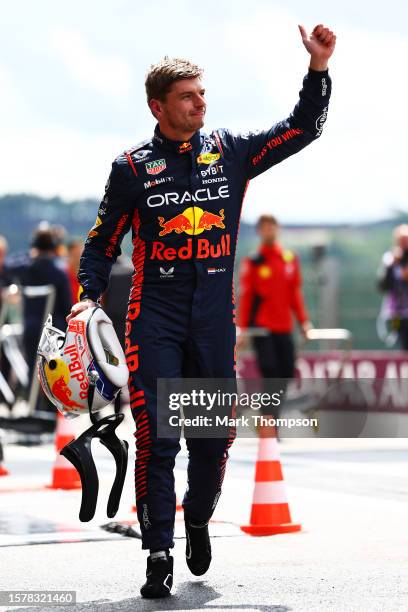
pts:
[155, 108]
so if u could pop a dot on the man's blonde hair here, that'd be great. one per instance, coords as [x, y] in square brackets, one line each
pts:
[162, 75]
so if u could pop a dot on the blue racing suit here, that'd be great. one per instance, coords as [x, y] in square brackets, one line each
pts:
[183, 202]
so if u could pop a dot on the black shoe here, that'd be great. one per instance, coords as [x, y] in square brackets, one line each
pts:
[159, 576]
[198, 547]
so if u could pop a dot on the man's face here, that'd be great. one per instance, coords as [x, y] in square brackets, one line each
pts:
[184, 107]
[268, 232]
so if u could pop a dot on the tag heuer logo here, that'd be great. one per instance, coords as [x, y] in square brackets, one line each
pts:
[208, 158]
[156, 166]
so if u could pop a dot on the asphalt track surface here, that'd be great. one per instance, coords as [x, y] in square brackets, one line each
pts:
[350, 496]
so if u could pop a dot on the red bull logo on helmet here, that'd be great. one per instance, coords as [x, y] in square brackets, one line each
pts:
[193, 221]
[63, 393]
[77, 370]
[55, 379]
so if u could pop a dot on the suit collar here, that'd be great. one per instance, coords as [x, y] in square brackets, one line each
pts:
[177, 146]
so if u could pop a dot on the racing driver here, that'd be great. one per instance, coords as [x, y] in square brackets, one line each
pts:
[181, 192]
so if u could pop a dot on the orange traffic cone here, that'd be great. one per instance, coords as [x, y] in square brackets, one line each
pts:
[3, 471]
[64, 475]
[64, 433]
[270, 509]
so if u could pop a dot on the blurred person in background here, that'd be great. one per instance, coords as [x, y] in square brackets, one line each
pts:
[75, 247]
[41, 268]
[59, 234]
[270, 298]
[393, 281]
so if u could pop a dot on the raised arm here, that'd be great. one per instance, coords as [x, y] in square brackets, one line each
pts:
[259, 151]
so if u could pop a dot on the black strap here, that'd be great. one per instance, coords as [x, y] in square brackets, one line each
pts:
[79, 453]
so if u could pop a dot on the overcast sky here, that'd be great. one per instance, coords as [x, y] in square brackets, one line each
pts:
[72, 96]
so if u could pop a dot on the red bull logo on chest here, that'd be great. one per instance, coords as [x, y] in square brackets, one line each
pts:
[198, 249]
[192, 221]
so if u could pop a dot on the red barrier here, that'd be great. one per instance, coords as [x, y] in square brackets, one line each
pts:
[381, 377]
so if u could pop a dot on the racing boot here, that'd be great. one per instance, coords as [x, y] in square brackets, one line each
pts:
[159, 575]
[198, 547]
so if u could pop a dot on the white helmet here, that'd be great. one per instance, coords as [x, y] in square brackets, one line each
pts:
[87, 355]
